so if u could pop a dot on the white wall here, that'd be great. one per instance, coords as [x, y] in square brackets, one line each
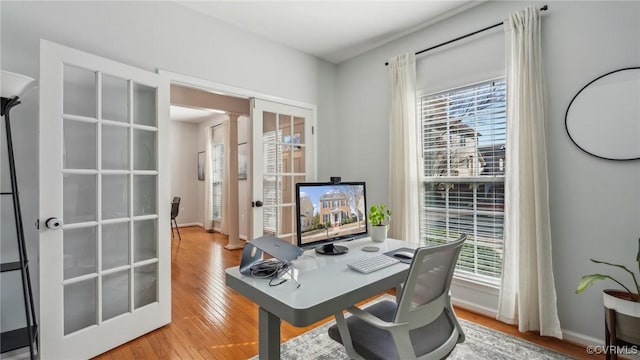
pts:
[595, 204]
[149, 35]
[184, 167]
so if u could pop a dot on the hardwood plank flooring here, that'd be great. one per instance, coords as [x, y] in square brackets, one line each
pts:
[212, 321]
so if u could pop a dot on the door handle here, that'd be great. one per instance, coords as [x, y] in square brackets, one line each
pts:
[53, 223]
[256, 204]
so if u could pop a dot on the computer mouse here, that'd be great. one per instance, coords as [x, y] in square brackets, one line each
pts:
[404, 255]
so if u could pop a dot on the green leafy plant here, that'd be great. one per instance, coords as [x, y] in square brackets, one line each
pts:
[379, 214]
[588, 280]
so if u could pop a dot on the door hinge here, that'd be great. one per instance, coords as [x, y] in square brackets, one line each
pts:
[313, 130]
[37, 224]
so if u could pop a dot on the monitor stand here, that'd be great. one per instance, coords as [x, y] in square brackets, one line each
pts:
[331, 249]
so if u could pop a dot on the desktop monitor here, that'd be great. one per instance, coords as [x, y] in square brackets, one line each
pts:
[327, 213]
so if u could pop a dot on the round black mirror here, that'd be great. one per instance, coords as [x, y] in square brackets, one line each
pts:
[603, 118]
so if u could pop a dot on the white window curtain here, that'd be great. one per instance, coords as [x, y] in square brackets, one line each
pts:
[528, 295]
[217, 163]
[206, 221]
[403, 157]
[224, 223]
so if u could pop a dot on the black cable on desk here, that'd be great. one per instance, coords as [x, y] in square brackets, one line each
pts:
[271, 269]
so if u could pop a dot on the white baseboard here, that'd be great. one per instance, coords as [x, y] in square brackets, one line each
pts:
[587, 341]
[567, 335]
[241, 236]
[478, 301]
[190, 224]
[468, 305]
[237, 246]
[580, 339]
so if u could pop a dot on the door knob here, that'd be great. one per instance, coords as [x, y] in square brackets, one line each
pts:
[53, 223]
[257, 204]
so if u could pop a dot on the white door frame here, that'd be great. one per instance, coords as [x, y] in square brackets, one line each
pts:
[225, 89]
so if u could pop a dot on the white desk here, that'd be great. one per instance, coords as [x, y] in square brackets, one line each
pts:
[327, 286]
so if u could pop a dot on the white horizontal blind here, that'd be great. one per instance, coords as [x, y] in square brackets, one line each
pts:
[272, 191]
[217, 165]
[463, 147]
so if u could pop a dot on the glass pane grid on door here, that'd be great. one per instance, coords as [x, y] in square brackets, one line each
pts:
[109, 197]
[283, 146]
[144, 203]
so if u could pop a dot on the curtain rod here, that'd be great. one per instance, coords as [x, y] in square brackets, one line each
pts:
[544, 8]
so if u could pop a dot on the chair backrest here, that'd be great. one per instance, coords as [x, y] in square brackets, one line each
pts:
[426, 291]
[175, 207]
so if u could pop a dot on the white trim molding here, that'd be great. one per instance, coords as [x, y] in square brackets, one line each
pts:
[581, 339]
[189, 224]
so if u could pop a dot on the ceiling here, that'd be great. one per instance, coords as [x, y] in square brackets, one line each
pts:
[189, 114]
[331, 30]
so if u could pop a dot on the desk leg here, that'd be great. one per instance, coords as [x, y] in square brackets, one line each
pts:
[269, 335]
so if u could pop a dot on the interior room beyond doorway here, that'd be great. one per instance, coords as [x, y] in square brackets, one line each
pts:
[199, 146]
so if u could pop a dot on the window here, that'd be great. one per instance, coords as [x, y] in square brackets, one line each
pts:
[463, 148]
[217, 166]
[272, 183]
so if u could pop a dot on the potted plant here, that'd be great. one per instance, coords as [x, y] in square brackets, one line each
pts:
[379, 217]
[625, 303]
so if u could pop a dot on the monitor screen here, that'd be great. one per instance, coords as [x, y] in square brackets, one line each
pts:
[327, 213]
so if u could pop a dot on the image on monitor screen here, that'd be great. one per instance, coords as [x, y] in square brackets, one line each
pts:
[327, 213]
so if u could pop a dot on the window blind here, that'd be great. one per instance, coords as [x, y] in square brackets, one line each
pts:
[272, 160]
[217, 166]
[463, 150]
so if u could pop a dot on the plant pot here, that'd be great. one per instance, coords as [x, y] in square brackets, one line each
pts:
[378, 233]
[627, 315]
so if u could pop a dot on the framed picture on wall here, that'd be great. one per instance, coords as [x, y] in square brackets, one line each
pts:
[242, 161]
[201, 165]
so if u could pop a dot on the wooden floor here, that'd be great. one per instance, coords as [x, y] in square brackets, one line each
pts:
[211, 321]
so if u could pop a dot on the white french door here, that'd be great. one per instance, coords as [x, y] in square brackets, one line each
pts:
[105, 272]
[283, 155]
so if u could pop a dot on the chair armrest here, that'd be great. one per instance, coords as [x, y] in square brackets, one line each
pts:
[372, 319]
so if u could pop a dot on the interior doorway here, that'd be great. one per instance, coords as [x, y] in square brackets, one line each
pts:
[200, 152]
[255, 149]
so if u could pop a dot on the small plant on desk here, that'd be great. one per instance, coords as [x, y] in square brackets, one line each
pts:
[379, 217]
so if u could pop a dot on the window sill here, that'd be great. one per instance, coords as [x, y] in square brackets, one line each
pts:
[486, 285]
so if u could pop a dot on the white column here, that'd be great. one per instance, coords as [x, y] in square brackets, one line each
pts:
[233, 213]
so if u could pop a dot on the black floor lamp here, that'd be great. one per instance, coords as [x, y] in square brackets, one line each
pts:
[12, 85]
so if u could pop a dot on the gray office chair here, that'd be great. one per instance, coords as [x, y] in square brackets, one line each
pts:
[421, 325]
[175, 207]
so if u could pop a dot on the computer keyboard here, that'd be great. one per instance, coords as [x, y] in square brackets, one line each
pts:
[373, 263]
